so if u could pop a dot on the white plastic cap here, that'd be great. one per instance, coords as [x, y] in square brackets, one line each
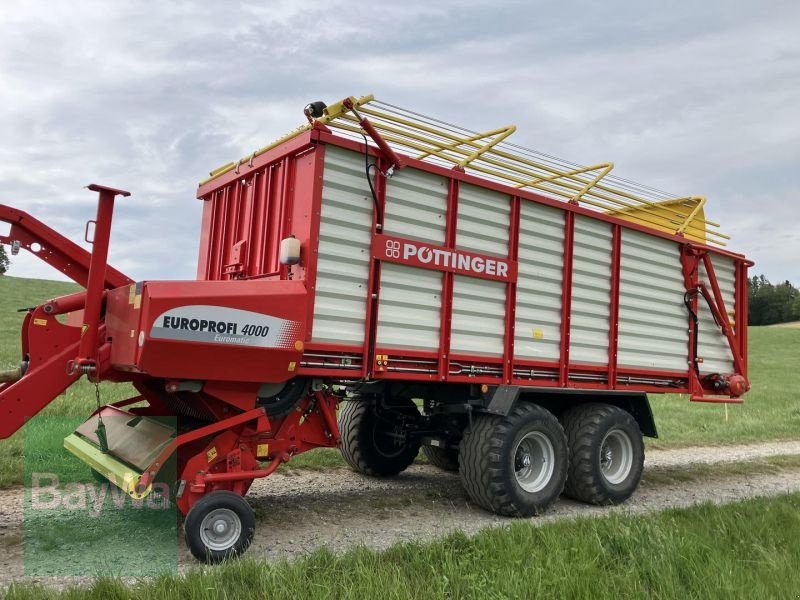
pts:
[290, 251]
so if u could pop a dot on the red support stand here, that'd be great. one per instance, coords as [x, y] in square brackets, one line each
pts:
[87, 353]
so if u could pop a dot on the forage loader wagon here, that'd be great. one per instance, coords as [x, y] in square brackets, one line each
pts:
[505, 311]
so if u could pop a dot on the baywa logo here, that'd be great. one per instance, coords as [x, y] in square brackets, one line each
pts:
[77, 522]
[47, 493]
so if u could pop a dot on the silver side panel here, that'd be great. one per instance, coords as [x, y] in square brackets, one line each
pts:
[483, 220]
[409, 312]
[591, 291]
[479, 305]
[653, 321]
[541, 259]
[344, 250]
[416, 206]
[478, 323]
[712, 345]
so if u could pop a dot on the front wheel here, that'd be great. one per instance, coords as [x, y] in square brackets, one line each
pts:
[606, 454]
[514, 465]
[219, 525]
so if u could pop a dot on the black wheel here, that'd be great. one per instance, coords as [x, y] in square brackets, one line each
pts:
[280, 398]
[606, 453]
[514, 465]
[219, 526]
[444, 458]
[374, 440]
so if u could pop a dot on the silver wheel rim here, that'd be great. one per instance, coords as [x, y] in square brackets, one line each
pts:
[616, 456]
[534, 461]
[220, 529]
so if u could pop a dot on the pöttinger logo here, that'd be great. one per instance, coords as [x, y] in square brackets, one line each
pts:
[392, 249]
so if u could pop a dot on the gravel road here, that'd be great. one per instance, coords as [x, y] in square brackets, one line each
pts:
[304, 510]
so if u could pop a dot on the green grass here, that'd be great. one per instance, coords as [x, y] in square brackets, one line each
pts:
[771, 410]
[744, 550]
[78, 400]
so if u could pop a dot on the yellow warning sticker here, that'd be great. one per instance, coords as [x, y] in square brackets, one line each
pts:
[40, 321]
[262, 450]
[84, 327]
[538, 334]
[132, 294]
[292, 366]
[211, 454]
[137, 302]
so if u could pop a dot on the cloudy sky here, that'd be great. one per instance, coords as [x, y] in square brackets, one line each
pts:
[692, 97]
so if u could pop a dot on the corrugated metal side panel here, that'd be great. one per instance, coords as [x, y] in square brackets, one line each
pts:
[416, 206]
[591, 291]
[344, 250]
[410, 305]
[479, 305]
[483, 220]
[712, 345]
[539, 284]
[653, 321]
[478, 321]
[409, 315]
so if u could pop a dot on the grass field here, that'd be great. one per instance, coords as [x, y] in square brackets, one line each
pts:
[744, 550]
[792, 325]
[771, 410]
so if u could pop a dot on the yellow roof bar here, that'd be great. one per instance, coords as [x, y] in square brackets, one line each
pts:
[489, 155]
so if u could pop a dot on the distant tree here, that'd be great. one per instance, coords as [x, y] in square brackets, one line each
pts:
[4, 261]
[772, 303]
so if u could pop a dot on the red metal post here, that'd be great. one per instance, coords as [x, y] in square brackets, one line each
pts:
[97, 272]
[511, 292]
[446, 321]
[566, 297]
[613, 314]
[718, 307]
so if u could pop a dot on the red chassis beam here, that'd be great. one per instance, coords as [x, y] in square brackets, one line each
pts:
[54, 249]
[49, 347]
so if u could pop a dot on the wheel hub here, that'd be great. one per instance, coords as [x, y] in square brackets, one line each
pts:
[616, 456]
[534, 461]
[220, 529]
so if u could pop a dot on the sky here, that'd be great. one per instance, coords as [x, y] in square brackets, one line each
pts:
[697, 98]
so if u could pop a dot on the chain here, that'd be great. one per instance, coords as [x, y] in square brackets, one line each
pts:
[100, 432]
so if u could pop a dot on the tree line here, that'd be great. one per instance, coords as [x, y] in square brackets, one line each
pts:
[772, 303]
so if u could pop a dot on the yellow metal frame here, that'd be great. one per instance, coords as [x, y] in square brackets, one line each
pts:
[486, 154]
[117, 472]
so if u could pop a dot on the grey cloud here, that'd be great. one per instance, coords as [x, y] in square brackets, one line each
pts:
[696, 97]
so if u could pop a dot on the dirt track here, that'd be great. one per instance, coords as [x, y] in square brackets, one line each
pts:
[304, 510]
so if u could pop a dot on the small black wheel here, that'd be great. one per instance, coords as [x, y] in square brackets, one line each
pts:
[218, 526]
[374, 441]
[444, 458]
[514, 465]
[606, 453]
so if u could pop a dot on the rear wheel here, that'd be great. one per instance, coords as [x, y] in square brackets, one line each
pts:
[514, 465]
[445, 458]
[606, 454]
[374, 440]
[219, 525]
